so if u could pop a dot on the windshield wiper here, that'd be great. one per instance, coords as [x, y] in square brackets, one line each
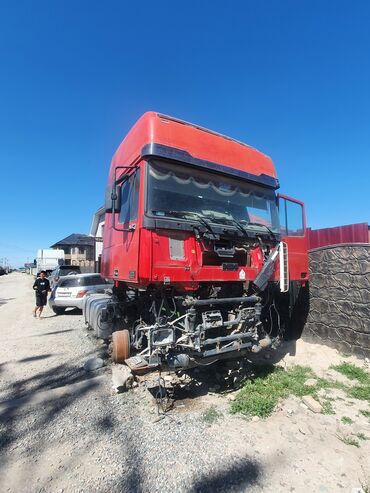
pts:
[253, 223]
[229, 220]
[183, 214]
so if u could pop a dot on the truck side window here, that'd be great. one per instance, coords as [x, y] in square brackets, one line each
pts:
[130, 198]
[291, 218]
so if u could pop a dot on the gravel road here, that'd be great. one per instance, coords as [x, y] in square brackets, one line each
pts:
[64, 430]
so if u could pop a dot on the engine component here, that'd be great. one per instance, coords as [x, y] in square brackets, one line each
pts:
[266, 272]
[212, 320]
[178, 360]
[221, 301]
[162, 336]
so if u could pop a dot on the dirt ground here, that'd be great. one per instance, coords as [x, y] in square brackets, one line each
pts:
[63, 429]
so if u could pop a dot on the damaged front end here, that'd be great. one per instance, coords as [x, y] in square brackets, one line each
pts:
[162, 327]
[210, 329]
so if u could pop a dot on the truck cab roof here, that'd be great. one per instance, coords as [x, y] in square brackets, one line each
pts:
[168, 137]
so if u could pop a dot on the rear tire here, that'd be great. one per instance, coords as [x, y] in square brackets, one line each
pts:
[121, 346]
[58, 310]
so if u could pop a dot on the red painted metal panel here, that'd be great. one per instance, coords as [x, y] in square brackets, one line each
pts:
[351, 233]
[200, 143]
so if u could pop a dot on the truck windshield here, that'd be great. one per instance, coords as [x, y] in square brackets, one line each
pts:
[174, 187]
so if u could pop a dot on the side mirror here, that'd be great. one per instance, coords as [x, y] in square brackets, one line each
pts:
[113, 198]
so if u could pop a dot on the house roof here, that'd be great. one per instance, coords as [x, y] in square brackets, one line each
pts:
[75, 239]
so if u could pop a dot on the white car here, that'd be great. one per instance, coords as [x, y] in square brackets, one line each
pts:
[70, 291]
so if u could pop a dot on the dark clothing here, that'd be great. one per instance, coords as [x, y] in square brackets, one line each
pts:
[42, 287]
[41, 299]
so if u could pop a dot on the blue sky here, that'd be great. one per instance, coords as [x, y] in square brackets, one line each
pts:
[290, 78]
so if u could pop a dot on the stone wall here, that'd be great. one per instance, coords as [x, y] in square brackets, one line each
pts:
[339, 312]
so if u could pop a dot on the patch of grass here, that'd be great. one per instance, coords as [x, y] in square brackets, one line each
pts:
[327, 407]
[365, 486]
[353, 372]
[365, 413]
[323, 383]
[365, 483]
[211, 415]
[361, 392]
[260, 394]
[346, 420]
[349, 441]
[362, 436]
[338, 385]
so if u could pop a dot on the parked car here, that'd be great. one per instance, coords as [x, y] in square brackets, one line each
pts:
[70, 291]
[61, 271]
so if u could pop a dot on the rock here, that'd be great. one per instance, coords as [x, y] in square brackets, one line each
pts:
[310, 382]
[231, 397]
[312, 404]
[93, 364]
[170, 380]
[255, 419]
[303, 430]
[122, 378]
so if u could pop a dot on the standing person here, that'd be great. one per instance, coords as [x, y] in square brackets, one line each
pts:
[41, 287]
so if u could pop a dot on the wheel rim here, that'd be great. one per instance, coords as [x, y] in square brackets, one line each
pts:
[121, 346]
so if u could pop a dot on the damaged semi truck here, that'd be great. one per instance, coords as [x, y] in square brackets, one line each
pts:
[208, 261]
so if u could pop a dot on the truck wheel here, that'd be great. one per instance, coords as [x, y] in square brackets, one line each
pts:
[58, 310]
[121, 346]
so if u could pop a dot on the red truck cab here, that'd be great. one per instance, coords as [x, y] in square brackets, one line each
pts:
[194, 222]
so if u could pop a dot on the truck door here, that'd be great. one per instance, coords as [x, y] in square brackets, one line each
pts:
[293, 231]
[127, 253]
